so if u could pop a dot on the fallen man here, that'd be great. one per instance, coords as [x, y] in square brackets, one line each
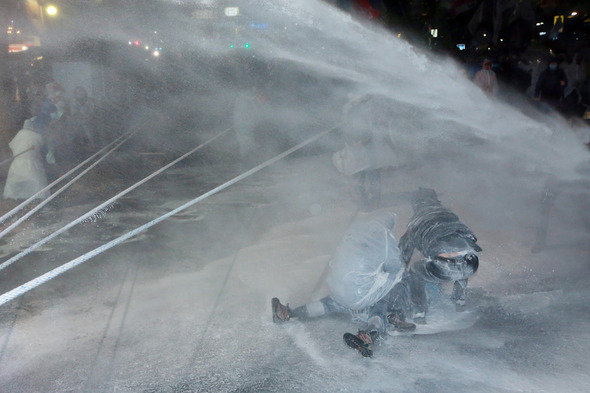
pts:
[449, 248]
[372, 280]
[365, 268]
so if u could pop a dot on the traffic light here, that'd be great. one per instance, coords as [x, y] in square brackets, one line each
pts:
[246, 46]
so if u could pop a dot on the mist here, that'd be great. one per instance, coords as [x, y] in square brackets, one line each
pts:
[185, 305]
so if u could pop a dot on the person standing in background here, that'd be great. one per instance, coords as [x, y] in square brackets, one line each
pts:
[486, 79]
[26, 175]
[573, 94]
[551, 84]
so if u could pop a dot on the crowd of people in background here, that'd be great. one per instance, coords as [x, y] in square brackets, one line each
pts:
[553, 81]
[60, 133]
[61, 128]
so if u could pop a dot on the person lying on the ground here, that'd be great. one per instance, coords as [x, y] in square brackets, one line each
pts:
[362, 274]
[449, 248]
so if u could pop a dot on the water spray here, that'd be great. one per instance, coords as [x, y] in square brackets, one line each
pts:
[62, 189]
[105, 204]
[26, 202]
[32, 284]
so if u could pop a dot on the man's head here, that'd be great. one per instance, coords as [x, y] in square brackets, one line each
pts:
[487, 64]
[54, 91]
[458, 253]
[553, 63]
[451, 269]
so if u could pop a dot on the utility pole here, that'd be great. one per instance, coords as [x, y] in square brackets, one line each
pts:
[4, 77]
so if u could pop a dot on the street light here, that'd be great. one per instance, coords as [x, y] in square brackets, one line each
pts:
[51, 10]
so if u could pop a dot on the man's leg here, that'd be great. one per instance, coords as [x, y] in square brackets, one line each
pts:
[282, 313]
[389, 312]
[418, 297]
[399, 305]
[363, 341]
[376, 327]
[458, 295]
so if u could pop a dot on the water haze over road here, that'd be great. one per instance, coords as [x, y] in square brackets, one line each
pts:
[185, 306]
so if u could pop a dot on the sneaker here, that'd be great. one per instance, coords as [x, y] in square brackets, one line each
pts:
[398, 321]
[362, 341]
[368, 336]
[280, 313]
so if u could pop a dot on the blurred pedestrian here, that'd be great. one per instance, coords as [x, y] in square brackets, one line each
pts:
[575, 72]
[576, 77]
[486, 79]
[58, 129]
[54, 96]
[26, 175]
[368, 149]
[59, 138]
[551, 84]
[82, 110]
[250, 106]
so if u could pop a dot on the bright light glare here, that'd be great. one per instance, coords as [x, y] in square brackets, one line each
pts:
[574, 13]
[232, 11]
[156, 53]
[51, 10]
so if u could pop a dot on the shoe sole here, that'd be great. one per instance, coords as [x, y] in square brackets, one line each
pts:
[276, 304]
[356, 343]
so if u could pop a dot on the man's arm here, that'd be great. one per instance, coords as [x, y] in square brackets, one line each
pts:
[406, 247]
[458, 296]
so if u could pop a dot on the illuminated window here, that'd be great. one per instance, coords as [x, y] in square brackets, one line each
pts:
[232, 11]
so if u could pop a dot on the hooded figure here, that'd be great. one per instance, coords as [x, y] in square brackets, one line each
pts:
[364, 270]
[449, 248]
[486, 79]
[366, 263]
[26, 175]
